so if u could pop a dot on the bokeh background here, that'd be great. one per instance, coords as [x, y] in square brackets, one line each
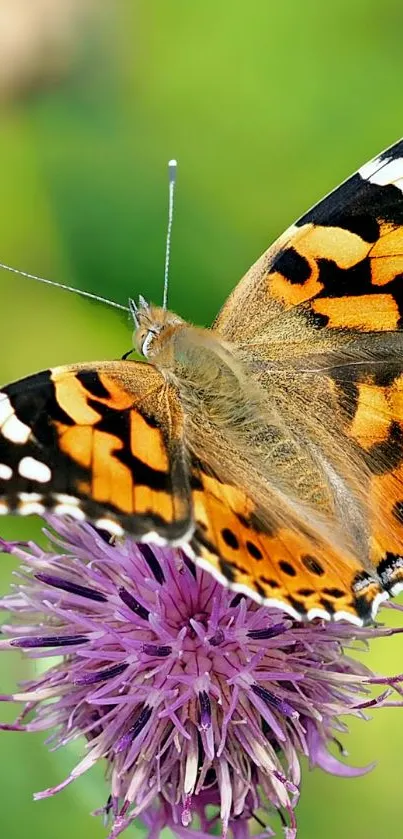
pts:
[267, 106]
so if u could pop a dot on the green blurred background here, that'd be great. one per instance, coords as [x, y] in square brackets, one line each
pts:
[267, 106]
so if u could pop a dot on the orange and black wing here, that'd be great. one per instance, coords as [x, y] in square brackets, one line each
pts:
[339, 267]
[96, 441]
[275, 561]
[105, 443]
[325, 303]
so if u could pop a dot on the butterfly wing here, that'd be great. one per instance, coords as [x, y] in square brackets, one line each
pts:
[338, 268]
[322, 325]
[105, 442]
[277, 560]
[100, 442]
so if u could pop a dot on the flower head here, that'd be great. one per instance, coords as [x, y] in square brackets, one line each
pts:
[200, 701]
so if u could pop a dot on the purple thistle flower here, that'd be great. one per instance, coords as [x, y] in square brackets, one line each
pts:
[200, 701]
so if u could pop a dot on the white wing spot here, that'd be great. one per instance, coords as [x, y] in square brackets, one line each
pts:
[34, 470]
[111, 526]
[348, 616]
[6, 410]
[69, 510]
[384, 172]
[29, 496]
[14, 430]
[3, 509]
[368, 169]
[30, 508]
[63, 498]
[378, 599]
[318, 613]
[5, 472]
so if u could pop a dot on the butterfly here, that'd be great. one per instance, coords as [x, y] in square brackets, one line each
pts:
[269, 447]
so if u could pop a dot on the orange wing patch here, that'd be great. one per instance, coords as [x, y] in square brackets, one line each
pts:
[76, 442]
[386, 254]
[72, 398]
[328, 265]
[112, 481]
[371, 422]
[307, 245]
[364, 313]
[147, 443]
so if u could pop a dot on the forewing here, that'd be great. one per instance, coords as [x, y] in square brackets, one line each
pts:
[338, 268]
[96, 441]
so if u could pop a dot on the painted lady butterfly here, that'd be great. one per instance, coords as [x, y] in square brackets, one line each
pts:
[270, 448]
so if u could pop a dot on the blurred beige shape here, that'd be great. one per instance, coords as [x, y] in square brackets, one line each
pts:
[38, 41]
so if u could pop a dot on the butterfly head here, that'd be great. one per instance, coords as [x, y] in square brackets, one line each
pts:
[153, 326]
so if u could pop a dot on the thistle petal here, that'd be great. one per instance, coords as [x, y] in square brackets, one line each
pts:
[201, 703]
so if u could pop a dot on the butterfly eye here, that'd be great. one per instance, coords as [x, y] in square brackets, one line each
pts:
[143, 338]
[147, 342]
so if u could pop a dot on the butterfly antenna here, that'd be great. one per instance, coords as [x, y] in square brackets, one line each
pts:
[65, 287]
[172, 167]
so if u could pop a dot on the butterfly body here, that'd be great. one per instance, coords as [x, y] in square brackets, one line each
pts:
[246, 423]
[269, 447]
